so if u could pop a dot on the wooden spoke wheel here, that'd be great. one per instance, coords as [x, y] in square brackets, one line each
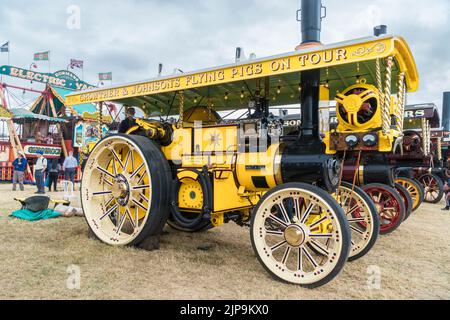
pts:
[362, 217]
[407, 199]
[389, 204]
[125, 190]
[300, 234]
[434, 188]
[415, 190]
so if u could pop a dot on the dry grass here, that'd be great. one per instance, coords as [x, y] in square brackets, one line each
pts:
[34, 257]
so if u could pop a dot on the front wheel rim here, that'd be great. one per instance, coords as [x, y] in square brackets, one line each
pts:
[359, 217]
[413, 190]
[431, 187]
[387, 205]
[287, 225]
[117, 191]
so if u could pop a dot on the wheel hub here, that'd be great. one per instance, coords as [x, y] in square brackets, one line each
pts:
[295, 235]
[121, 190]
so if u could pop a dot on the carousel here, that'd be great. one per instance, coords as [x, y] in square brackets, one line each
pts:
[85, 124]
[49, 126]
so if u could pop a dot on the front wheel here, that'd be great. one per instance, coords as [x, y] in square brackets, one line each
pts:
[362, 217]
[407, 199]
[125, 189]
[415, 190]
[300, 235]
[434, 188]
[389, 204]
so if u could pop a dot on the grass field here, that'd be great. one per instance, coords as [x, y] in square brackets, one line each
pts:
[34, 258]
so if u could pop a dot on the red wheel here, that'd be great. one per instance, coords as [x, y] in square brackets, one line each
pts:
[407, 199]
[389, 205]
[434, 188]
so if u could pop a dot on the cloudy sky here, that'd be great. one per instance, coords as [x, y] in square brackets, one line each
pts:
[131, 37]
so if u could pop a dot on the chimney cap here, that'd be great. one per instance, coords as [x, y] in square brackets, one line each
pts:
[380, 30]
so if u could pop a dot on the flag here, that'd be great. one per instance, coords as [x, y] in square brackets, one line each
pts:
[76, 64]
[42, 56]
[105, 76]
[5, 47]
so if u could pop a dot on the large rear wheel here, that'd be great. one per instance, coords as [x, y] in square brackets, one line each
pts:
[125, 190]
[415, 190]
[434, 188]
[389, 204]
[362, 217]
[300, 234]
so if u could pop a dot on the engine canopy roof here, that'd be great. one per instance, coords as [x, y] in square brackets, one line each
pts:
[231, 87]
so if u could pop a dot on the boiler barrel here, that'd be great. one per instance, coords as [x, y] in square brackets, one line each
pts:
[369, 173]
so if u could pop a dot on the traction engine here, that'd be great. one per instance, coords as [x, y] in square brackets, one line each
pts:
[370, 128]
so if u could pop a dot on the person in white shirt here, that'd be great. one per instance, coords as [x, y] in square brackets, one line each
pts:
[39, 172]
[70, 167]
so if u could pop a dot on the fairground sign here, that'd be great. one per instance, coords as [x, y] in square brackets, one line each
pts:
[63, 79]
[49, 151]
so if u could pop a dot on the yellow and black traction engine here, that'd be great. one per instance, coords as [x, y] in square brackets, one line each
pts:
[370, 128]
[186, 166]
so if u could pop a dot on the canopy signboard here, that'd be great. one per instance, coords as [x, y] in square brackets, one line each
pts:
[62, 78]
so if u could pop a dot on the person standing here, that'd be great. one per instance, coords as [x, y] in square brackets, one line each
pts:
[20, 165]
[447, 196]
[53, 174]
[129, 121]
[70, 168]
[39, 172]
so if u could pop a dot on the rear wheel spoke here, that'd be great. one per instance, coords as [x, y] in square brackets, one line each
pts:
[101, 193]
[131, 219]
[117, 158]
[137, 171]
[127, 160]
[109, 212]
[106, 172]
[140, 205]
[121, 223]
[307, 213]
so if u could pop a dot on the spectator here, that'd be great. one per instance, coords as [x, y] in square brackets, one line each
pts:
[38, 137]
[447, 196]
[129, 121]
[20, 165]
[53, 173]
[70, 167]
[49, 139]
[39, 172]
